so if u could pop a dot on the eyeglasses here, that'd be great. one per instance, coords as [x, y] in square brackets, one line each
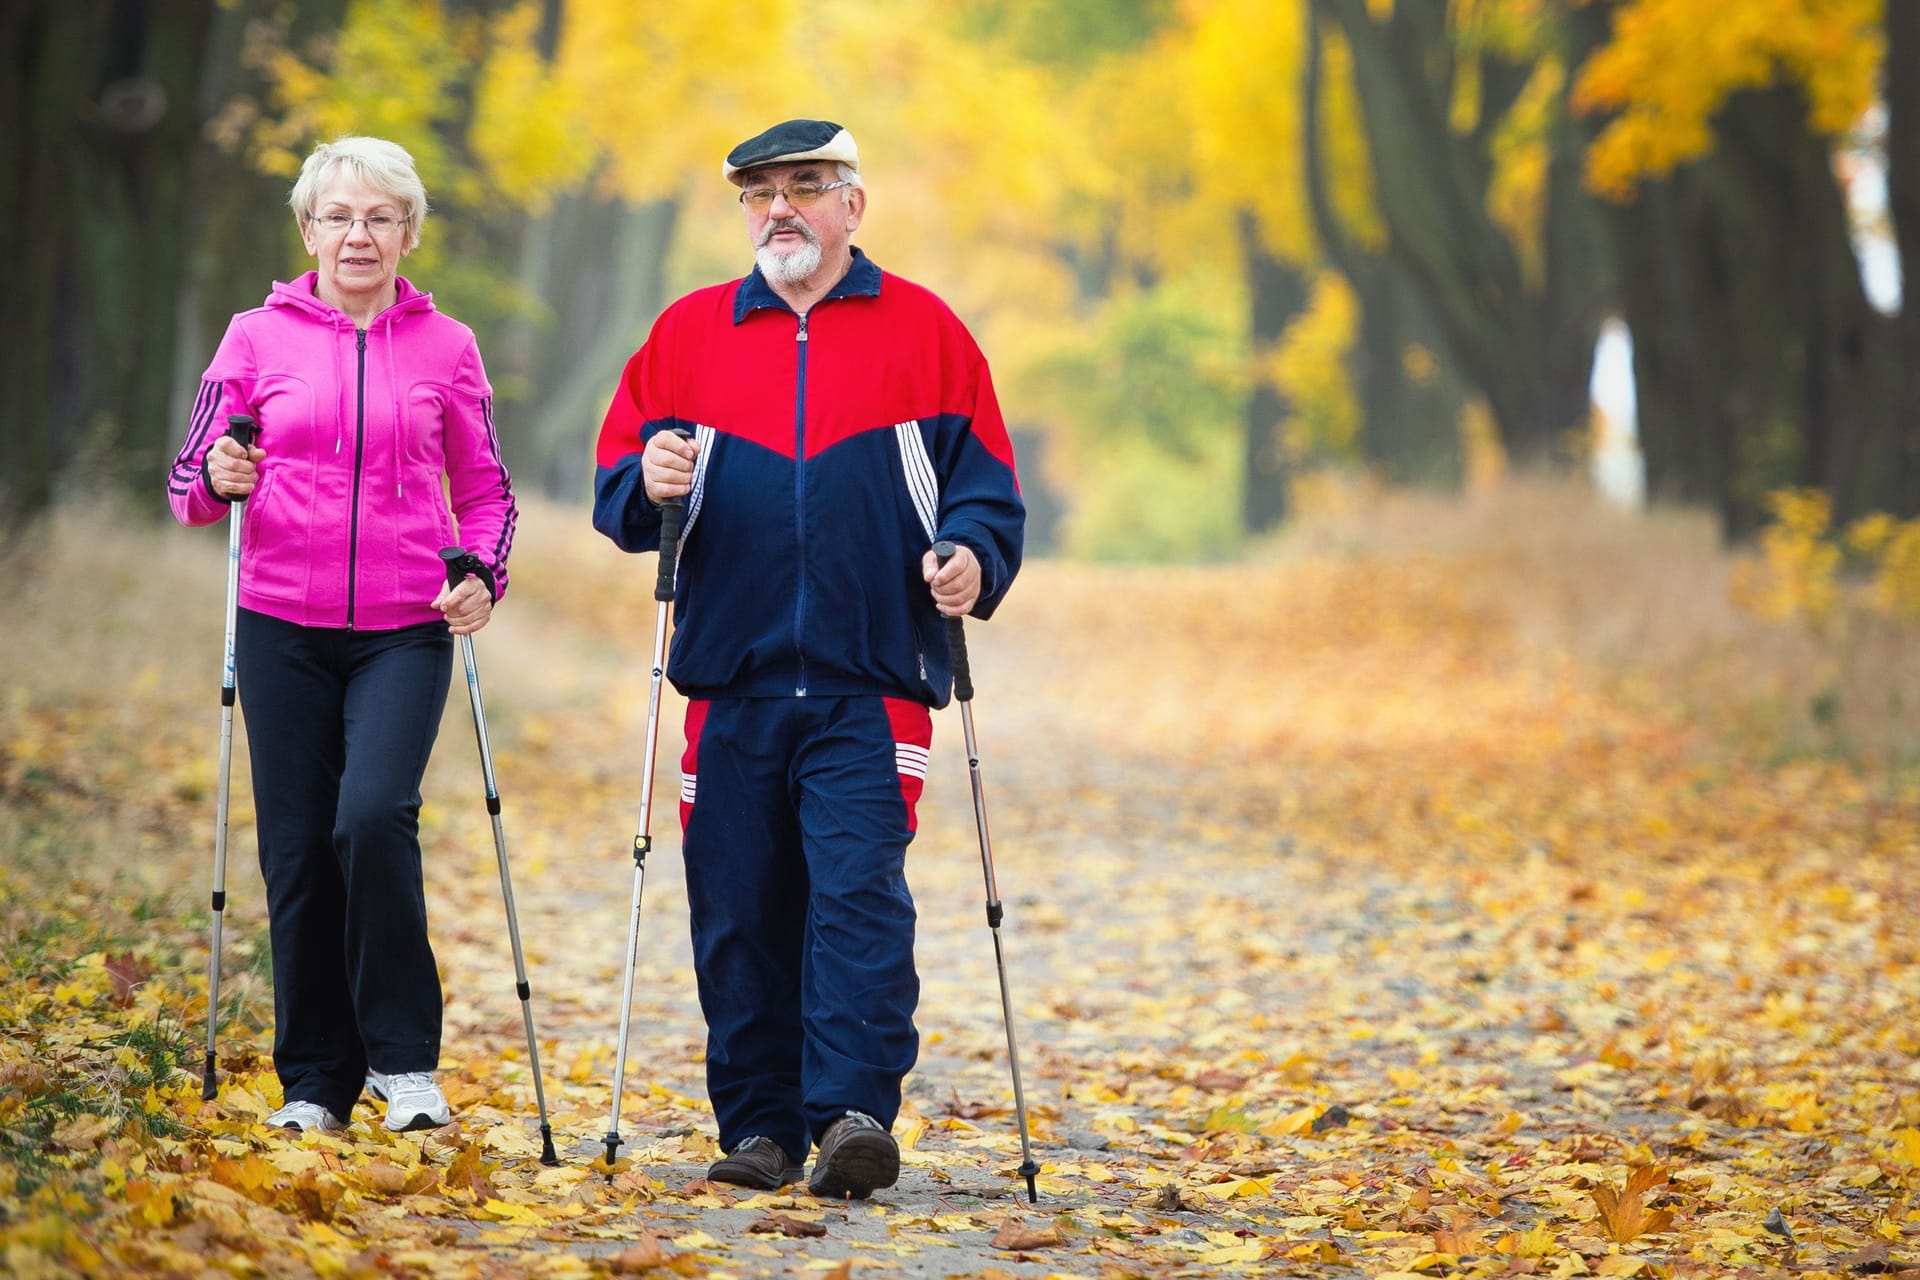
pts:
[798, 194]
[378, 224]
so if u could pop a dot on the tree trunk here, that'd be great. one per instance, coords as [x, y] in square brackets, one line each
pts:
[1528, 349]
[608, 283]
[1759, 363]
[1277, 292]
[131, 225]
[1670, 252]
[1898, 458]
[1409, 426]
[46, 56]
[132, 164]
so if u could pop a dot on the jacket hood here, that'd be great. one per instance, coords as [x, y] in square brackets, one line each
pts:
[299, 295]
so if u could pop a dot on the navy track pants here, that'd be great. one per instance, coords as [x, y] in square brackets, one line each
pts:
[339, 728]
[797, 813]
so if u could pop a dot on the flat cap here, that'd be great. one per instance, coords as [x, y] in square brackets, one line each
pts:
[792, 141]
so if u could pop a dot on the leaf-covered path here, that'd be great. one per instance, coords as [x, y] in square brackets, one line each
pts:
[1352, 929]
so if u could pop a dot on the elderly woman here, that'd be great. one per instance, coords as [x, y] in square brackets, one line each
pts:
[365, 397]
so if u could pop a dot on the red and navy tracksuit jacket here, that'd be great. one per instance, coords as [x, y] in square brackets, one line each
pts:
[835, 449]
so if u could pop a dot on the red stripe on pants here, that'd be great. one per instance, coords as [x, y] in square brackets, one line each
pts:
[690, 758]
[912, 726]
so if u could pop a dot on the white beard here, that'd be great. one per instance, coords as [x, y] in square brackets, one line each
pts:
[789, 268]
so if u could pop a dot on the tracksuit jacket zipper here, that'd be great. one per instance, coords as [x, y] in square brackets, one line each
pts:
[359, 465]
[800, 507]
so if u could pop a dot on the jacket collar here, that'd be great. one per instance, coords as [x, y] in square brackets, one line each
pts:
[861, 281]
[299, 295]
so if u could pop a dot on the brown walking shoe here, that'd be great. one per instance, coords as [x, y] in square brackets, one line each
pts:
[857, 1157]
[756, 1162]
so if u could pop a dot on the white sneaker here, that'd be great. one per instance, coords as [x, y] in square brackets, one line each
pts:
[300, 1116]
[413, 1100]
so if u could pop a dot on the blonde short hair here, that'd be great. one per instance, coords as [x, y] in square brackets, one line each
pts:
[384, 166]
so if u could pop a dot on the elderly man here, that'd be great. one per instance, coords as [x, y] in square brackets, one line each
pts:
[838, 421]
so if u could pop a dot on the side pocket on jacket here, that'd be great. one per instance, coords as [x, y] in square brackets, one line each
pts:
[256, 510]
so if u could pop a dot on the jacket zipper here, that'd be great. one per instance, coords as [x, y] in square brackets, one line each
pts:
[359, 466]
[800, 508]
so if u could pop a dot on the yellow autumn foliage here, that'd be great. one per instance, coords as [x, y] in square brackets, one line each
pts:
[1309, 366]
[527, 119]
[1671, 64]
[1893, 548]
[1798, 573]
[1350, 168]
[1522, 152]
[389, 70]
[1243, 60]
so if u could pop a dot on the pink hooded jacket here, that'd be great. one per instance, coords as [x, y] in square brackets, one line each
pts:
[345, 525]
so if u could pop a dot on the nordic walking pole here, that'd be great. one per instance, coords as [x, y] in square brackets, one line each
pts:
[460, 562]
[963, 693]
[241, 428]
[670, 513]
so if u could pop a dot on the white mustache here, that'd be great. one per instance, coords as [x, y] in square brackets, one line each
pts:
[785, 224]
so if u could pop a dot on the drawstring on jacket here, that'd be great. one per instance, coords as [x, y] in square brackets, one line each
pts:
[299, 568]
[341, 381]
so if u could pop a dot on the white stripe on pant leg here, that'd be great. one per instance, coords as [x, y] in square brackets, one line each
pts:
[911, 760]
[688, 783]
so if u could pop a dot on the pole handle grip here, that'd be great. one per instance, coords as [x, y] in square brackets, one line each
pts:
[956, 636]
[460, 562]
[463, 564]
[672, 512]
[244, 429]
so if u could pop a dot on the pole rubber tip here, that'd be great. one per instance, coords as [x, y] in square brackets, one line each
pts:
[613, 1146]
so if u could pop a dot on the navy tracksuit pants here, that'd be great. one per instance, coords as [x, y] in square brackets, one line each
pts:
[339, 728]
[797, 813]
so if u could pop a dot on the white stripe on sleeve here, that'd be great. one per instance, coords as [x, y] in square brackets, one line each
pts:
[922, 484]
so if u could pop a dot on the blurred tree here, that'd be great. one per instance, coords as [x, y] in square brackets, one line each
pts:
[1475, 160]
[1068, 34]
[1243, 60]
[1205, 179]
[137, 238]
[1171, 143]
[1900, 459]
[1150, 394]
[1408, 399]
[1056, 142]
[95, 198]
[1760, 361]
